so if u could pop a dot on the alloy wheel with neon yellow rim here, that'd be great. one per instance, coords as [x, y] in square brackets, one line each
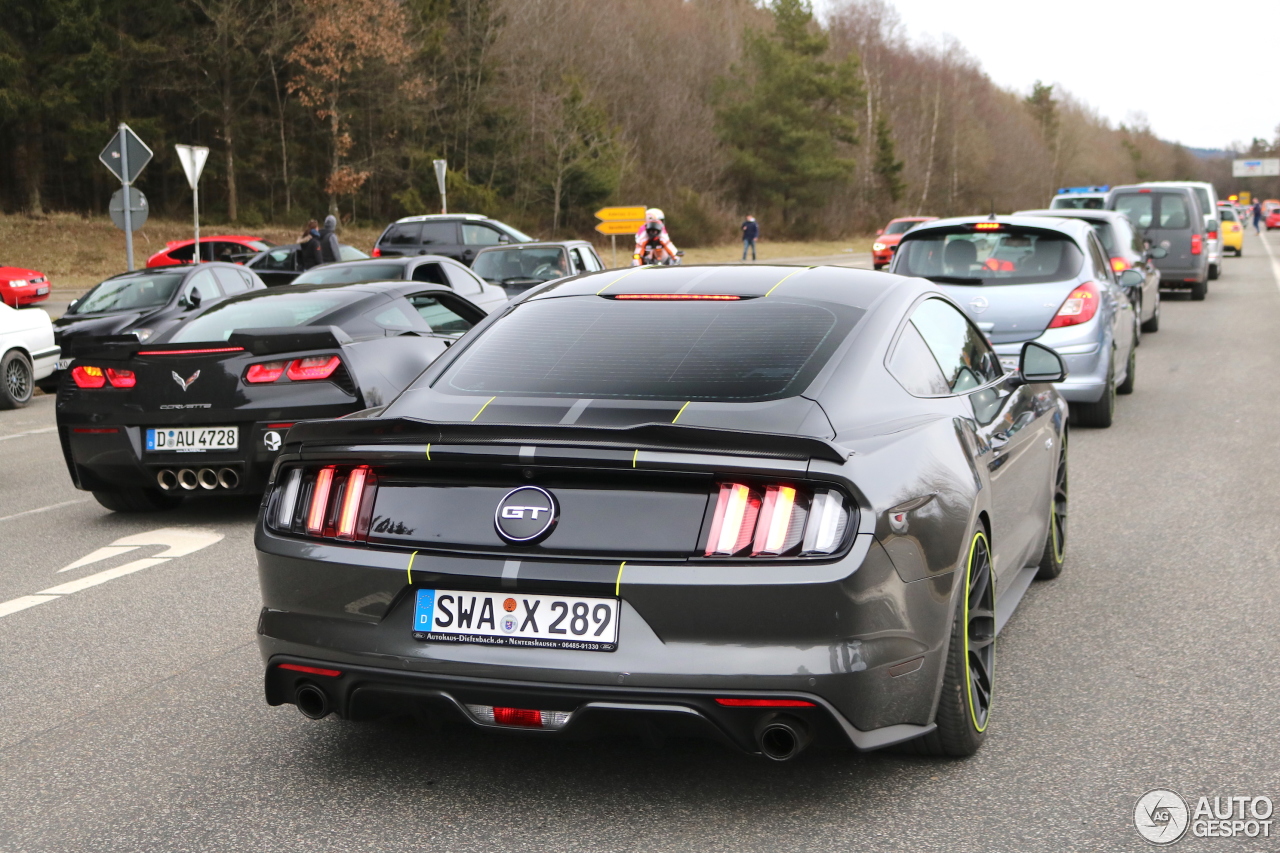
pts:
[979, 633]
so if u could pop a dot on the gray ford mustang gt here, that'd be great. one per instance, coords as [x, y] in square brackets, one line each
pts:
[770, 505]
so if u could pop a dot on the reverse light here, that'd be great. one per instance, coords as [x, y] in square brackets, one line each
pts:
[267, 371]
[1079, 307]
[1197, 244]
[828, 519]
[319, 500]
[88, 377]
[315, 367]
[1119, 264]
[525, 718]
[289, 499]
[733, 702]
[121, 378]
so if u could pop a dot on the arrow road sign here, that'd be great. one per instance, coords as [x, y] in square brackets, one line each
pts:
[614, 214]
[137, 209]
[620, 226]
[192, 157]
[138, 155]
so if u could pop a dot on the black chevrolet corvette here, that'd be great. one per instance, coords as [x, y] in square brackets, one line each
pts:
[768, 505]
[203, 408]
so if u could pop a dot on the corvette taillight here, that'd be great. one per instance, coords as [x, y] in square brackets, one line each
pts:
[776, 520]
[1079, 307]
[267, 371]
[121, 378]
[88, 377]
[318, 367]
[332, 501]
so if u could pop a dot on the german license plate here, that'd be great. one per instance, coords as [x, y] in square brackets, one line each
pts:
[42, 291]
[502, 619]
[193, 439]
[62, 364]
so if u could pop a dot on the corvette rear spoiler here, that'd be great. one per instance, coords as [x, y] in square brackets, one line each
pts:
[653, 436]
[264, 341]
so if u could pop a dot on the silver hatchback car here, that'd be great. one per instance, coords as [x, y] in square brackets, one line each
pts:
[1025, 278]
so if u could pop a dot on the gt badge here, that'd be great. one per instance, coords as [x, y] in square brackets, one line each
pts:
[271, 440]
[526, 515]
[184, 384]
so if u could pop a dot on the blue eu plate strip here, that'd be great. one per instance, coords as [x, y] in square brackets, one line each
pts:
[424, 609]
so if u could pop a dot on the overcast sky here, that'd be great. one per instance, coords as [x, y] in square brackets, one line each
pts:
[1203, 72]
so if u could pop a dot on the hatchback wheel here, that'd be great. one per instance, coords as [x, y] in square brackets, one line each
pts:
[1055, 544]
[17, 382]
[1101, 413]
[1153, 325]
[1131, 373]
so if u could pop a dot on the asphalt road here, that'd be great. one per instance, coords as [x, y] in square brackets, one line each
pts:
[132, 718]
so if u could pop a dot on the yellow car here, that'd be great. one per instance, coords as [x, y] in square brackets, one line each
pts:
[1232, 230]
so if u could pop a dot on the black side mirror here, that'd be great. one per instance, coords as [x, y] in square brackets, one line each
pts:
[1038, 363]
[72, 304]
[1158, 252]
[193, 299]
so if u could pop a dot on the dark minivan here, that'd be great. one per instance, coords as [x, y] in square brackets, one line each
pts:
[458, 236]
[1170, 218]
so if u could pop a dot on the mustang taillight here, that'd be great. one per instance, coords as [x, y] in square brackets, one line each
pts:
[1079, 307]
[776, 520]
[89, 376]
[331, 501]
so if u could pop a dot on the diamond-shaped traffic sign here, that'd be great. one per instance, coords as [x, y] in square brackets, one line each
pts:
[137, 152]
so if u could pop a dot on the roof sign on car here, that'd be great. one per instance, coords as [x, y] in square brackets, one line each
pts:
[1068, 190]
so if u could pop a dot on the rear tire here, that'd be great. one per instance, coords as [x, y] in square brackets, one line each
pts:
[17, 382]
[1100, 414]
[964, 706]
[1055, 543]
[137, 500]
[1153, 325]
[879, 267]
[1131, 373]
[1214, 272]
[1199, 291]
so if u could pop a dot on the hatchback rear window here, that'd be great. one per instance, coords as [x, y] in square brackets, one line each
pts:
[1012, 256]
[593, 347]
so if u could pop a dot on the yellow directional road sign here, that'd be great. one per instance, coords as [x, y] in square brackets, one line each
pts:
[615, 214]
[629, 226]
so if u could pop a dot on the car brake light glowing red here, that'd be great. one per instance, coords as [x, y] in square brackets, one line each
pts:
[377, 253]
[88, 377]
[987, 226]
[1119, 264]
[773, 529]
[1197, 244]
[311, 670]
[121, 378]
[526, 717]
[319, 500]
[1213, 235]
[734, 521]
[315, 367]
[350, 510]
[1079, 307]
[680, 297]
[765, 703]
[267, 371]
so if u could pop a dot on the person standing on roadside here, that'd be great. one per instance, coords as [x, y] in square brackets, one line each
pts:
[329, 241]
[1257, 216]
[309, 246]
[750, 231]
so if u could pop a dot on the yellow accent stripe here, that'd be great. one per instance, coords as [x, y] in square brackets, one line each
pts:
[612, 282]
[681, 412]
[787, 276]
[409, 570]
[485, 406]
[634, 457]
[617, 587]
[428, 452]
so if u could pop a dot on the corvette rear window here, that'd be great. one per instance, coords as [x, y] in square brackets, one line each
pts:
[592, 347]
[277, 309]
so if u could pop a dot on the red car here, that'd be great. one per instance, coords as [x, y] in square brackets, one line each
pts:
[887, 238]
[19, 287]
[222, 247]
[1272, 219]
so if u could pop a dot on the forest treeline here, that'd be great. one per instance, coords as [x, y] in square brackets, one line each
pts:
[544, 109]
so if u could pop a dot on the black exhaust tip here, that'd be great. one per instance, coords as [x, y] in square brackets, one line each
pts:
[782, 738]
[311, 701]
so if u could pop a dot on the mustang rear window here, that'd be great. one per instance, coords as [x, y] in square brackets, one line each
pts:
[592, 347]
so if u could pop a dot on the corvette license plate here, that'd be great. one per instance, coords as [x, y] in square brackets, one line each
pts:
[193, 439]
[502, 619]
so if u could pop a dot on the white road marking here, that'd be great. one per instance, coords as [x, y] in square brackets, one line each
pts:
[42, 509]
[179, 542]
[103, 553]
[1275, 265]
[29, 432]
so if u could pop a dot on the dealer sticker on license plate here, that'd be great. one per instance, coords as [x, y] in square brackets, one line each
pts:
[501, 619]
[192, 439]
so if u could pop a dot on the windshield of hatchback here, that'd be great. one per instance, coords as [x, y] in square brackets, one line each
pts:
[278, 309]
[1006, 256]
[352, 274]
[596, 347]
[508, 266]
[900, 227]
[131, 293]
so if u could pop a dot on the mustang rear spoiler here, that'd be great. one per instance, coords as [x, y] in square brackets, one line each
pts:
[264, 341]
[656, 436]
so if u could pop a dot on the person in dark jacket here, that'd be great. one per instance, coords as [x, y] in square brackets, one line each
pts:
[750, 231]
[1257, 216]
[329, 241]
[309, 246]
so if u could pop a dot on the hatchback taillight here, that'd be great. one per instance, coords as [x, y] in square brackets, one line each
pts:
[1079, 307]
[1119, 264]
[1197, 244]
[332, 501]
[775, 520]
